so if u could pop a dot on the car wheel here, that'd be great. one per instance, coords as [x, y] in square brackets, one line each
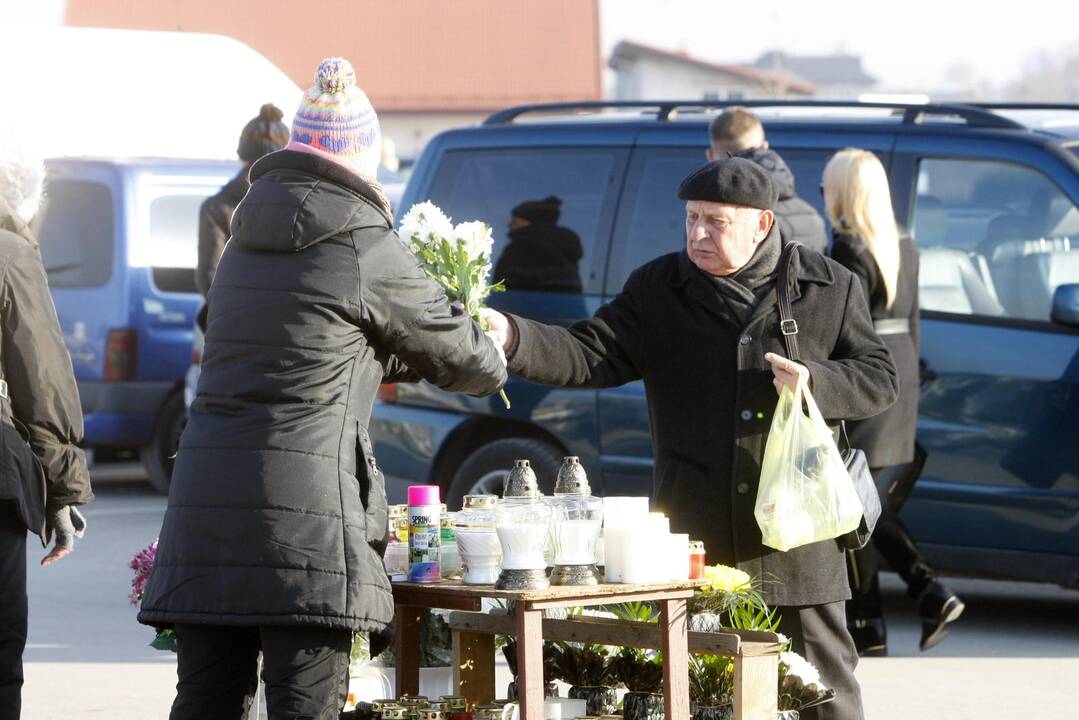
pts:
[486, 469]
[159, 457]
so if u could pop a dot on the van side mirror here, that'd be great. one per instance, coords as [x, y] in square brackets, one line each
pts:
[1066, 305]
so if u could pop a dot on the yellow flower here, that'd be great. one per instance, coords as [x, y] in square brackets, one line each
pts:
[721, 578]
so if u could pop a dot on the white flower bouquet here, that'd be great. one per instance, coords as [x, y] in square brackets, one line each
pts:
[800, 686]
[457, 257]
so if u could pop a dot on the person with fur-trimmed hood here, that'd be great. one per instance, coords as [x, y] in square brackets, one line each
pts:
[43, 475]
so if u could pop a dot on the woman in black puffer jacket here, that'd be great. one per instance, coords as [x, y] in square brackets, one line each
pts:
[277, 512]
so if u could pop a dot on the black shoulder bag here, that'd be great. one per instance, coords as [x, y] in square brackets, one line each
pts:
[857, 466]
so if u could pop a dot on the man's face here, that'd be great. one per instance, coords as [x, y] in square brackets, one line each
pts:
[720, 239]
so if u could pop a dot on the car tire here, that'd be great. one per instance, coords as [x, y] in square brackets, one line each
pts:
[487, 467]
[159, 457]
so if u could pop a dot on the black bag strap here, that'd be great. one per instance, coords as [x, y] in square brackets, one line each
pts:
[789, 326]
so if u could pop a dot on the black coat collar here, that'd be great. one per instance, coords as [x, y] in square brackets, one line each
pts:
[311, 164]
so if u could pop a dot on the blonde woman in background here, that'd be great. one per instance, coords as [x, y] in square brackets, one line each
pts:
[866, 240]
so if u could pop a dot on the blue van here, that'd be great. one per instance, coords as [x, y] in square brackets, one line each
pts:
[991, 197]
[119, 243]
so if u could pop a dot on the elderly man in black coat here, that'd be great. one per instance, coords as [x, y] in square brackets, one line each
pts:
[701, 328]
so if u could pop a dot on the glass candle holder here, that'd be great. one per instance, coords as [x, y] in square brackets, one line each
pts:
[576, 520]
[477, 540]
[523, 525]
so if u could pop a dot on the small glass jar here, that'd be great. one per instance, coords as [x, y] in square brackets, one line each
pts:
[451, 552]
[696, 560]
[477, 540]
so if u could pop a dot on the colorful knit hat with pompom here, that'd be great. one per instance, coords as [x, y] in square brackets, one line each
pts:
[336, 117]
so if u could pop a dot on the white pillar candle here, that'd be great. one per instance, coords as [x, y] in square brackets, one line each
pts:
[613, 545]
[621, 515]
[678, 557]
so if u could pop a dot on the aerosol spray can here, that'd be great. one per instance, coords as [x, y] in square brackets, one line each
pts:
[425, 534]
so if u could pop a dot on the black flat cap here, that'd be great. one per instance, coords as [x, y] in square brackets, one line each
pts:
[733, 181]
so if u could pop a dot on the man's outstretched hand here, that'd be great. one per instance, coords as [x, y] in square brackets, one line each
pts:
[499, 328]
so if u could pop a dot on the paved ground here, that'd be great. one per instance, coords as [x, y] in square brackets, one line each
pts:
[1015, 652]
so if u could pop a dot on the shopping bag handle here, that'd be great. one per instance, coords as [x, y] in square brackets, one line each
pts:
[788, 326]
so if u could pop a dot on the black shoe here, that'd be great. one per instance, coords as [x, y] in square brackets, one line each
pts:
[869, 635]
[938, 607]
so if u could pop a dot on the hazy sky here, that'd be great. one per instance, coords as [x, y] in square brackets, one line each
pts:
[907, 44]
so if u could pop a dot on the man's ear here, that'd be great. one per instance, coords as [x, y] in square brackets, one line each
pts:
[764, 224]
[709, 154]
[764, 145]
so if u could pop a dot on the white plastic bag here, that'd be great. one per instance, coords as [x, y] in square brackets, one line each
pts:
[805, 493]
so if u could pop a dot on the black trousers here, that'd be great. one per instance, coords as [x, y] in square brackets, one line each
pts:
[305, 670]
[819, 634]
[891, 541]
[13, 609]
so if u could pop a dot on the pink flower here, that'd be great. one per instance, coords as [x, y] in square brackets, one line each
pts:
[143, 565]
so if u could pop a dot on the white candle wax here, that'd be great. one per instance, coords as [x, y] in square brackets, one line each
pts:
[481, 554]
[678, 559]
[621, 515]
[576, 542]
[636, 559]
[613, 545]
[522, 546]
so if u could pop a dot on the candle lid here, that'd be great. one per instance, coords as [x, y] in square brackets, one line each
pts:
[477, 502]
[572, 479]
[521, 481]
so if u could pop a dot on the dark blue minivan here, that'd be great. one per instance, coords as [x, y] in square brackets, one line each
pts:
[119, 243]
[991, 197]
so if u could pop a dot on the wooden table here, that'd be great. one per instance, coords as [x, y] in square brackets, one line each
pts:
[755, 654]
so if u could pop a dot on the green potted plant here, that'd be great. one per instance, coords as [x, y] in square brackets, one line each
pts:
[585, 668]
[509, 651]
[642, 674]
[711, 687]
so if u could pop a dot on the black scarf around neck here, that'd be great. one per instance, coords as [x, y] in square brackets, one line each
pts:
[743, 290]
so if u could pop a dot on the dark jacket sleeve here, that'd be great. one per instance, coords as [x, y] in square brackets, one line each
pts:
[859, 380]
[603, 351]
[213, 234]
[410, 318]
[394, 370]
[40, 380]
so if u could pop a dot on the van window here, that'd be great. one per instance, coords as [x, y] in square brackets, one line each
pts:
[174, 241]
[995, 238]
[550, 210]
[651, 221]
[75, 230]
